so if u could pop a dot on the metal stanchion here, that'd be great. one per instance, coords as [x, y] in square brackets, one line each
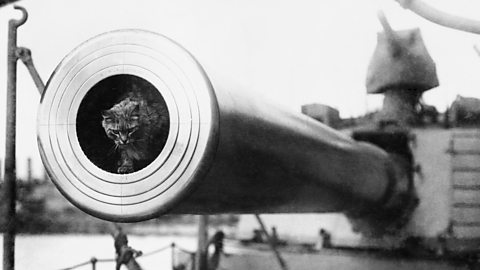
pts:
[10, 168]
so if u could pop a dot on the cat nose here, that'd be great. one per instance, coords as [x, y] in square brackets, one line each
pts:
[123, 140]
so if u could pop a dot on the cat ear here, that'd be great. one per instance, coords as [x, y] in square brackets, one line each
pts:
[106, 114]
[136, 108]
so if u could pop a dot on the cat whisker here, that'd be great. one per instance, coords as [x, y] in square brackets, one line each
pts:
[113, 149]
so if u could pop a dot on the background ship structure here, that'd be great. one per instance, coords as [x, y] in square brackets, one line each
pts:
[439, 151]
[403, 181]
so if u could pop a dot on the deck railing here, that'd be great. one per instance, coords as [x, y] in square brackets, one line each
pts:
[172, 247]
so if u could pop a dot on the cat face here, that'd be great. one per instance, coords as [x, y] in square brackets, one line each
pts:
[122, 122]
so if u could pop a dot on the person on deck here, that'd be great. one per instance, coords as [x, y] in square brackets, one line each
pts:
[124, 254]
[120, 239]
[217, 242]
[325, 239]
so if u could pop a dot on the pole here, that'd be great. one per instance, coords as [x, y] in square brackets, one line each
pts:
[172, 254]
[10, 168]
[272, 244]
[477, 50]
[202, 249]
[29, 170]
[25, 55]
[437, 16]
[393, 38]
[94, 261]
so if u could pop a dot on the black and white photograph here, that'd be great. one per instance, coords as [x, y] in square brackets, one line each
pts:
[240, 134]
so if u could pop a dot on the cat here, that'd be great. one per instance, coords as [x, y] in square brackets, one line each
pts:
[138, 126]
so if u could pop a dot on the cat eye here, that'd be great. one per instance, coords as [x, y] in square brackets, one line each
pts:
[116, 132]
[131, 130]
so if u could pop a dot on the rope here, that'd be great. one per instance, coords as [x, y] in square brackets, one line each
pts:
[172, 245]
[77, 265]
[184, 250]
[155, 251]
[190, 260]
[105, 260]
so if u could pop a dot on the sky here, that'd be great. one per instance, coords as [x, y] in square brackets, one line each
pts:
[290, 52]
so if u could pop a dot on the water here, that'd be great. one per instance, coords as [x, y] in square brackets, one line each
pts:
[50, 252]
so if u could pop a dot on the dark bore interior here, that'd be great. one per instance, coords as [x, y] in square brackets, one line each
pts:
[152, 119]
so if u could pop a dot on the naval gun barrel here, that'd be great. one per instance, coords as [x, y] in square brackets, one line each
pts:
[221, 152]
